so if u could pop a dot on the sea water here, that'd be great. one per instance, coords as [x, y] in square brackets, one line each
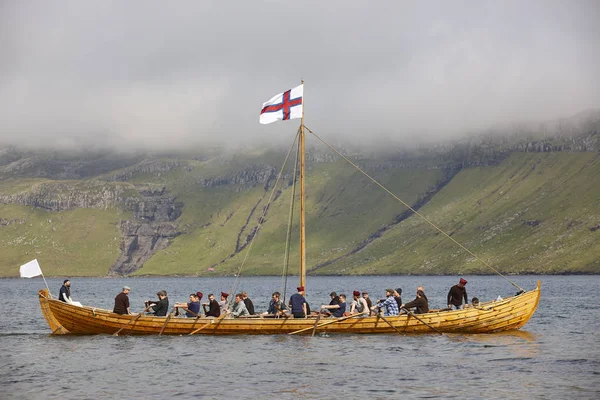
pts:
[556, 355]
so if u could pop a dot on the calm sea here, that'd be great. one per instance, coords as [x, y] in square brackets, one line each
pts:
[555, 356]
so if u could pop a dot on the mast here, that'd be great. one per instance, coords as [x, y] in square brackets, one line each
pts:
[302, 220]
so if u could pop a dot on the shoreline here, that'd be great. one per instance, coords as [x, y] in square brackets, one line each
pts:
[311, 276]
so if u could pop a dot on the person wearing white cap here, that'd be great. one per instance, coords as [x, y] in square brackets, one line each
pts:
[122, 302]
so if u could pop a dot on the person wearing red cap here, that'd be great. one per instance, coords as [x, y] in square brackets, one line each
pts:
[192, 309]
[298, 303]
[359, 305]
[223, 303]
[456, 295]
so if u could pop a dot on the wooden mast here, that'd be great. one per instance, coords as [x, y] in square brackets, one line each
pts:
[302, 221]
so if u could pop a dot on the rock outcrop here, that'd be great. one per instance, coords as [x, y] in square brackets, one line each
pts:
[152, 228]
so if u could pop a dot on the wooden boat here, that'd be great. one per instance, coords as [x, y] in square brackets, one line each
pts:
[507, 314]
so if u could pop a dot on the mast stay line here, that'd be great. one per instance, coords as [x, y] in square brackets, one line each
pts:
[411, 209]
[261, 220]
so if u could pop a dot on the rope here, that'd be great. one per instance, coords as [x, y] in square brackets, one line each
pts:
[286, 257]
[411, 209]
[258, 226]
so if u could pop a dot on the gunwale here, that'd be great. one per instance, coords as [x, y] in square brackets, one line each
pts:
[508, 314]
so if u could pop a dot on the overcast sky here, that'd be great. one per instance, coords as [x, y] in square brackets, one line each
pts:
[175, 74]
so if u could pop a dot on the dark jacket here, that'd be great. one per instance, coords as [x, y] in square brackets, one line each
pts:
[161, 308]
[121, 304]
[456, 295]
[64, 290]
[420, 303]
[249, 305]
[399, 301]
[213, 309]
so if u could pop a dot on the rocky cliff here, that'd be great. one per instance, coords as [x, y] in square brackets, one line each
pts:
[150, 229]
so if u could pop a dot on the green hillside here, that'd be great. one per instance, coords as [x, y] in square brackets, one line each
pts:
[533, 213]
[527, 213]
[340, 214]
[81, 242]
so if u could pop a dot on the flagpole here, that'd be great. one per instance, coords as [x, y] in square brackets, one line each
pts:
[302, 219]
[43, 277]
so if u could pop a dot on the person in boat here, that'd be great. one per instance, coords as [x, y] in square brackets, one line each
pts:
[335, 301]
[338, 309]
[420, 303]
[65, 292]
[359, 305]
[223, 303]
[248, 303]
[122, 302]
[239, 307]
[276, 306]
[398, 297]
[160, 308]
[456, 295]
[389, 305]
[214, 310]
[365, 296]
[474, 303]
[298, 304]
[192, 309]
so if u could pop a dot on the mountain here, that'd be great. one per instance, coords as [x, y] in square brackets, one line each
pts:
[523, 198]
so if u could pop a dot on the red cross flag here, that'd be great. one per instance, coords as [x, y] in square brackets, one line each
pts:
[284, 106]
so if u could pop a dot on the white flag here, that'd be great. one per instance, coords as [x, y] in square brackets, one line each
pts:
[31, 269]
[284, 106]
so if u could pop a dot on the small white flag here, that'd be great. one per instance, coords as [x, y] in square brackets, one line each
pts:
[284, 106]
[31, 269]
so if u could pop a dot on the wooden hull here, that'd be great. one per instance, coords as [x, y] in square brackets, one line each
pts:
[510, 313]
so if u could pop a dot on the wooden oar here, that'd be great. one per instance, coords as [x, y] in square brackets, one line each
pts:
[212, 321]
[283, 314]
[326, 323]
[134, 318]
[193, 313]
[389, 323]
[167, 320]
[316, 322]
[420, 320]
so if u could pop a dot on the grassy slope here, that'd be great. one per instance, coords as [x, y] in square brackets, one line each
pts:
[83, 242]
[339, 216]
[493, 211]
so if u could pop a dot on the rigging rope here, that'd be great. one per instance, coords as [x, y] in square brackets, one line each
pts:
[258, 226]
[410, 208]
[286, 257]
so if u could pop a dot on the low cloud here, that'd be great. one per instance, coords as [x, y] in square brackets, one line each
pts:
[152, 75]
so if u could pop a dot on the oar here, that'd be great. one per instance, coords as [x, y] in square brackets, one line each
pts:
[420, 320]
[167, 320]
[193, 313]
[281, 311]
[316, 322]
[134, 318]
[389, 323]
[326, 323]
[212, 321]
